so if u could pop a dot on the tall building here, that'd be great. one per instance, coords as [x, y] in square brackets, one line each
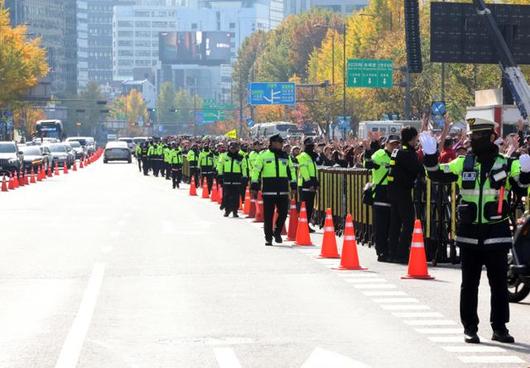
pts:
[340, 6]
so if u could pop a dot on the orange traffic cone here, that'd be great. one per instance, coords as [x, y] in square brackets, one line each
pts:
[26, 177]
[252, 210]
[74, 168]
[215, 193]
[293, 221]
[50, 174]
[205, 194]
[350, 256]
[302, 230]
[329, 241]
[417, 259]
[65, 168]
[220, 196]
[56, 171]
[32, 177]
[21, 179]
[11, 183]
[284, 231]
[81, 166]
[246, 206]
[15, 180]
[4, 184]
[259, 209]
[39, 174]
[193, 190]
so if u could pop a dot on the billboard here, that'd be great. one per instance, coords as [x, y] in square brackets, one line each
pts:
[208, 48]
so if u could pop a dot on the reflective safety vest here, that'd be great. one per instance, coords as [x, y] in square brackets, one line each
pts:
[247, 165]
[307, 170]
[137, 150]
[206, 159]
[176, 156]
[167, 155]
[151, 150]
[192, 158]
[276, 171]
[252, 156]
[479, 200]
[232, 169]
[381, 158]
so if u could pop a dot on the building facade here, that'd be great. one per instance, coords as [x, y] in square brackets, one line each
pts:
[345, 7]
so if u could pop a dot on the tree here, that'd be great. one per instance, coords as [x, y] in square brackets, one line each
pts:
[22, 61]
[25, 117]
[166, 103]
[131, 107]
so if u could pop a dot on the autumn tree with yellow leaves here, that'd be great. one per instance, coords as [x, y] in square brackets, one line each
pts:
[131, 107]
[22, 61]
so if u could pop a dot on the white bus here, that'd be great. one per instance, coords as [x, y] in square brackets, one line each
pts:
[265, 130]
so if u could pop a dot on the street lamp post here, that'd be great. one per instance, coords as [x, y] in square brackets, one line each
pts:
[344, 72]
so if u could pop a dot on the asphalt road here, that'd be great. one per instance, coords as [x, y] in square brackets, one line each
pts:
[106, 268]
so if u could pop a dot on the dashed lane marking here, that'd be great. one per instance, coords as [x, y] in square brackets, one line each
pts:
[323, 358]
[71, 349]
[226, 358]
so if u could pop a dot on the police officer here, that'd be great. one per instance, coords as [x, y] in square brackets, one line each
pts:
[157, 158]
[167, 161]
[308, 177]
[232, 168]
[404, 169]
[193, 157]
[244, 180]
[206, 165]
[483, 233]
[151, 153]
[379, 163]
[277, 174]
[254, 153]
[143, 158]
[176, 161]
[138, 155]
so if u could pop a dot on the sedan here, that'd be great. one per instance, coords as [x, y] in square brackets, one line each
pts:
[61, 154]
[117, 151]
[33, 158]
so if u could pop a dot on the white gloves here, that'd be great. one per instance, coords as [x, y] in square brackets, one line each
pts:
[428, 144]
[525, 163]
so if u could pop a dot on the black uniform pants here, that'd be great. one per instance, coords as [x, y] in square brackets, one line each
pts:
[497, 268]
[162, 168]
[243, 188]
[381, 226]
[139, 159]
[271, 202]
[145, 165]
[167, 165]
[401, 224]
[308, 197]
[194, 173]
[231, 197]
[156, 165]
[176, 175]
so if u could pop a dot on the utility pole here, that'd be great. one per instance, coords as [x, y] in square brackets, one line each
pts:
[344, 72]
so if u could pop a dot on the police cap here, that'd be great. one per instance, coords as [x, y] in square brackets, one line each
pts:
[276, 138]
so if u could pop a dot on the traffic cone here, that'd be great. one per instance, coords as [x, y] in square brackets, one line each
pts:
[293, 221]
[252, 210]
[193, 190]
[65, 168]
[22, 179]
[220, 196]
[11, 183]
[259, 209]
[15, 180]
[350, 256]
[39, 173]
[302, 230]
[215, 193]
[74, 168]
[56, 171]
[284, 231]
[50, 174]
[4, 184]
[329, 241]
[205, 194]
[32, 176]
[246, 206]
[417, 259]
[81, 166]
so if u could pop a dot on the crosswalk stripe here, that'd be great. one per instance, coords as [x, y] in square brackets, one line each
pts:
[226, 358]
[364, 280]
[491, 359]
[430, 322]
[396, 300]
[417, 314]
[375, 286]
[406, 307]
[458, 338]
[440, 331]
[384, 293]
[473, 349]
[358, 274]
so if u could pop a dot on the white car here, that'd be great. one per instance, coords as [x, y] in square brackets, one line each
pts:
[117, 151]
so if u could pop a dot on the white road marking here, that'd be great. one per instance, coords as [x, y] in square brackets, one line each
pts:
[74, 341]
[357, 274]
[396, 300]
[226, 358]
[491, 359]
[473, 349]
[365, 280]
[418, 314]
[458, 338]
[406, 307]
[430, 322]
[440, 331]
[375, 286]
[323, 358]
[384, 293]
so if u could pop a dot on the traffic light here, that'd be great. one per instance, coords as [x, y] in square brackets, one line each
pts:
[173, 110]
[412, 36]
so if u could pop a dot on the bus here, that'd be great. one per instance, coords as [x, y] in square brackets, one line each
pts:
[265, 130]
[50, 129]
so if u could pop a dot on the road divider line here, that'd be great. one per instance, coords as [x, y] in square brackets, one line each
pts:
[365, 280]
[226, 358]
[71, 349]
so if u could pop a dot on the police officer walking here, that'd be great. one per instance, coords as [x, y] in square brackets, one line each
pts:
[193, 157]
[138, 155]
[404, 169]
[277, 174]
[232, 168]
[176, 161]
[483, 234]
[379, 162]
[206, 165]
[143, 158]
[308, 177]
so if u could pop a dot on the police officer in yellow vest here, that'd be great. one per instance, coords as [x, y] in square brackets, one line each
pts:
[308, 177]
[232, 168]
[207, 165]
[176, 161]
[193, 161]
[379, 162]
[484, 178]
[274, 173]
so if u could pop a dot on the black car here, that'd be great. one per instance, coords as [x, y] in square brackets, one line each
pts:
[10, 158]
[34, 157]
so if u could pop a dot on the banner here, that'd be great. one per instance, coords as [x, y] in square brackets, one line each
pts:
[231, 134]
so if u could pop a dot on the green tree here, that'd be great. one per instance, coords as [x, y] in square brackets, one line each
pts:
[166, 103]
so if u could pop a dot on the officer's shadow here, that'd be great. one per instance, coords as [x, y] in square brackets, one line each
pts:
[516, 347]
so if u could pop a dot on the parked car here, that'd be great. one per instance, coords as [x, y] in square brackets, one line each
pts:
[117, 151]
[34, 157]
[78, 149]
[11, 159]
[87, 143]
[61, 153]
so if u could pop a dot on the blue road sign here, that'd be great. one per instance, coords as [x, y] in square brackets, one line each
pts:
[438, 108]
[281, 93]
[250, 123]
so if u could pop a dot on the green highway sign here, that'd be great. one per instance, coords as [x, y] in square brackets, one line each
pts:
[213, 111]
[370, 73]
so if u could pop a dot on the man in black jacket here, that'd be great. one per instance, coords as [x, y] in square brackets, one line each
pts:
[404, 169]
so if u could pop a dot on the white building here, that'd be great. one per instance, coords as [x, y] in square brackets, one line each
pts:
[82, 43]
[345, 7]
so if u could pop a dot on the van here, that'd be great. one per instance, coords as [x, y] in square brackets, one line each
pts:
[265, 130]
